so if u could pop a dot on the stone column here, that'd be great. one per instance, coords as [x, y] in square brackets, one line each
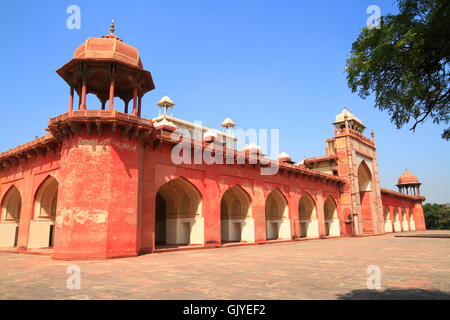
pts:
[135, 91]
[321, 214]
[71, 99]
[112, 87]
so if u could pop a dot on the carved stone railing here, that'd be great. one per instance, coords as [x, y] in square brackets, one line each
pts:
[99, 115]
[355, 134]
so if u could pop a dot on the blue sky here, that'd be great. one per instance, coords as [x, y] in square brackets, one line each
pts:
[266, 64]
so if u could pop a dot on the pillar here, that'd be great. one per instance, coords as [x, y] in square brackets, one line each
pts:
[134, 112]
[294, 214]
[259, 213]
[139, 106]
[211, 209]
[70, 109]
[83, 94]
[112, 87]
[321, 214]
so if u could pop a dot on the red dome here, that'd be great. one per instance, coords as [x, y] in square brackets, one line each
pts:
[408, 178]
[108, 48]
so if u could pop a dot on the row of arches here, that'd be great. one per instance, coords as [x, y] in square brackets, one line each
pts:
[393, 223]
[41, 232]
[179, 220]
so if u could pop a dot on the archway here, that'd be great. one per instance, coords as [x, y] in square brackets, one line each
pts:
[42, 226]
[405, 226]
[278, 225]
[236, 221]
[10, 218]
[309, 226]
[397, 224]
[387, 220]
[332, 227]
[178, 214]
[412, 223]
[365, 194]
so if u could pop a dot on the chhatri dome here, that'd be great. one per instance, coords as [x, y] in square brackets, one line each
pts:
[166, 102]
[409, 184]
[408, 178]
[108, 47]
[107, 67]
[228, 123]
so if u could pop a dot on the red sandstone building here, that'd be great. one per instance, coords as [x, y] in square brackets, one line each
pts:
[102, 183]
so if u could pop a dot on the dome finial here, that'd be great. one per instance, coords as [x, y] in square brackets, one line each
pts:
[111, 28]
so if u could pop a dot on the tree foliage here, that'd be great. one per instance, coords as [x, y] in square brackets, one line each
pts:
[405, 63]
[437, 216]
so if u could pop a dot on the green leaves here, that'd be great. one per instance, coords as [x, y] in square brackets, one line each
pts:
[437, 216]
[405, 63]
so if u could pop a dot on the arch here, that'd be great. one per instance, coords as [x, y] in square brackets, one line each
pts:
[46, 199]
[10, 217]
[309, 226]
[277, 216]
[387, 220]
[365, 196]
[332, 224]
[41, 232]
[405, 224]
[178, 214]
[397, 224]
[236, 221]
[364, 177]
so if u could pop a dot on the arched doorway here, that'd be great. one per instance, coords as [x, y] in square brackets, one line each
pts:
[332, 227]
[278, 225]
[397, 225]
[405, 226]
[387, 220]
[309, 226]
[365, 195]
[42, 226]
[412, 223]
[10, 218]
[178, 214]
[236, 221]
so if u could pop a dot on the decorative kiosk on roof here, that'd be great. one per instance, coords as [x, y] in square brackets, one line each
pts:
[108, 68]
[346, 119]
[409, 184]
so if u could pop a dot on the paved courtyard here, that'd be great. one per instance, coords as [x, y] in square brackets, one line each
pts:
[320, 269]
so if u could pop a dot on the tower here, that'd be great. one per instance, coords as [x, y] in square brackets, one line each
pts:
[357, 163]
[102, 152]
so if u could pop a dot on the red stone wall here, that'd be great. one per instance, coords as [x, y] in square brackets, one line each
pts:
[391, 202]
[98, 199]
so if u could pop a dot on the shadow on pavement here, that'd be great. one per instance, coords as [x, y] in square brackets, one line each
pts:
[395, 294]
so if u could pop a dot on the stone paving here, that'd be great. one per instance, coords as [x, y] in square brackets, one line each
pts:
[321, 269]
